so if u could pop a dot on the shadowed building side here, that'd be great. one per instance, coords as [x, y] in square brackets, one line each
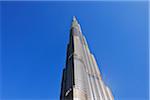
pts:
[81, 77]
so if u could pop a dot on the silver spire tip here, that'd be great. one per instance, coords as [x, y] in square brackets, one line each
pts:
[74, 18]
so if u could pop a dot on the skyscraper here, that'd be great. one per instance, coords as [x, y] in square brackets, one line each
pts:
[81, 77]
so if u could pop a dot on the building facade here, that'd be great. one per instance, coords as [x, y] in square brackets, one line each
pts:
[81, 78]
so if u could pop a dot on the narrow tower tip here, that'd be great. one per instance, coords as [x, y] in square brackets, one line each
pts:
[74, 18]
[75, 22]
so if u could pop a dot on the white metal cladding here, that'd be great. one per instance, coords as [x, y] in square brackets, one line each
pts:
[99, 90]
[88, 71]
[95, 65]
[77, 46]
[92, 69]
[93, 86]
[109, 94]
[80, 75]
[104, 90]
[95, 78]
[86, 66]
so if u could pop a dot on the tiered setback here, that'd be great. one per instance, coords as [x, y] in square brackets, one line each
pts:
[81, 77]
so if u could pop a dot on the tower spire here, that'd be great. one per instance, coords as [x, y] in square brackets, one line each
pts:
[81, 76]
[74, 18]
[74, 22]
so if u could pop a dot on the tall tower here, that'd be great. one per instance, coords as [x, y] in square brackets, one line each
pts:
[81, 77]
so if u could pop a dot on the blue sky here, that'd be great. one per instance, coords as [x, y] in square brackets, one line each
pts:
[34, 38]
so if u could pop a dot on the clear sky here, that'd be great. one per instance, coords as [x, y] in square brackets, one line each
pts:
[34, 38]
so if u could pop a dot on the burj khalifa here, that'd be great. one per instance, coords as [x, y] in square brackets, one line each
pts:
[81, 78]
